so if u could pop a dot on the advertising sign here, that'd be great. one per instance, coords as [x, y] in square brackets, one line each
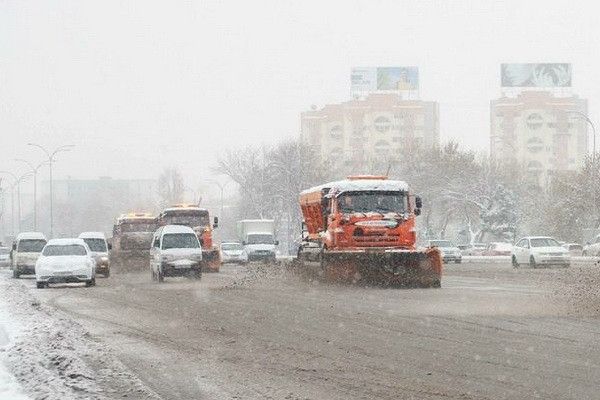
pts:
[536, 75]
[374, 79]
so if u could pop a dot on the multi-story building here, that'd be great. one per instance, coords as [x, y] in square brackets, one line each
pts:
[540, 132]
[380, 124]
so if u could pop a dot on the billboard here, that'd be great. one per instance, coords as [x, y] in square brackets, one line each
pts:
[373, 79]
[536, 75]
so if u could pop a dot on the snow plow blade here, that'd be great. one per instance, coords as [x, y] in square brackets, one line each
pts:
[383, 268]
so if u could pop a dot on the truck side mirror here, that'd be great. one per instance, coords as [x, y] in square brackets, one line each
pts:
[216, 223]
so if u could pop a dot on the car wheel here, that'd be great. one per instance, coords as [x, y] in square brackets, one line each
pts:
[515, 264]
[41, 285]
[160, 276]
[16, 273]
[532, 263]
[152, 274]
[91, 282]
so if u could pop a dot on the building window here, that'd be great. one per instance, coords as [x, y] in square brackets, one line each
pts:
[336, 132]
[382, 147]
[534, 166]
[535, 145]
[534, 121]
[382, 124]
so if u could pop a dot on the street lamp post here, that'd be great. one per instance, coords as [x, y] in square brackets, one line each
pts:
[51, 159]
[221, 188]
[16, 184]
[34, 171]
[589, 121]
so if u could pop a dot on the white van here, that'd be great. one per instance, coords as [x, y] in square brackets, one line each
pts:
[25, 251]
[175, 251]
[99, 247]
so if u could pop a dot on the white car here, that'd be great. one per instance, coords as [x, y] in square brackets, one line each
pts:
[539, 250]
[449, 251]
[96, 241]
[65, 261]
[175, 251]
[25, 252]
[232, 252]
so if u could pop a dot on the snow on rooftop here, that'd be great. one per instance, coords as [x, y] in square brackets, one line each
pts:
[91, 235]
[348, 185]
[65, 242]
[31, 236]
[177, 229]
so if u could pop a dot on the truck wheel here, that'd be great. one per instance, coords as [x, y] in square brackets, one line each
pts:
[91, 282]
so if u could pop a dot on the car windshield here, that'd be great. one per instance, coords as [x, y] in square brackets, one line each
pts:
[260, 239]
[98, 245]
[544, 242]
[64, 250]
[31, 245]
[372, 201]
[232, 246]
[179, 241]
[441, 243]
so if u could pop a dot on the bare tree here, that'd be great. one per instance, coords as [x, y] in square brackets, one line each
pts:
[170, 187]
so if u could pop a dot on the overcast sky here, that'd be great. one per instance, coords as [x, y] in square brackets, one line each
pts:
[140, 85]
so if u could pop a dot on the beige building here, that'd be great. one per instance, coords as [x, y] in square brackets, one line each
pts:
[378, 125]
[539, 132]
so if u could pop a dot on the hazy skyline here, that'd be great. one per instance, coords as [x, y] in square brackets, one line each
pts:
[138, 86]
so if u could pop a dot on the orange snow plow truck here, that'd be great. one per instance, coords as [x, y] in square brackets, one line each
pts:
[362, 229]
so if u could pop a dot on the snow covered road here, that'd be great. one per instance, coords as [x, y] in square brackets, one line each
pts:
[490, 332]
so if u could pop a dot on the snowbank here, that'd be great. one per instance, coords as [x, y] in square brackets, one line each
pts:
[53, 357]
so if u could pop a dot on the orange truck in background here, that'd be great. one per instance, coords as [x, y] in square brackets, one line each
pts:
[362, 229]
[199, 220]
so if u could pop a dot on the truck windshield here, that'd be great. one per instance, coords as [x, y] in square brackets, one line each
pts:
[260, 239]
[187, 219]
[138, 227]
[64, 250]
[96, 244]
[180, 241]
[31, 245]
[372, 201]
